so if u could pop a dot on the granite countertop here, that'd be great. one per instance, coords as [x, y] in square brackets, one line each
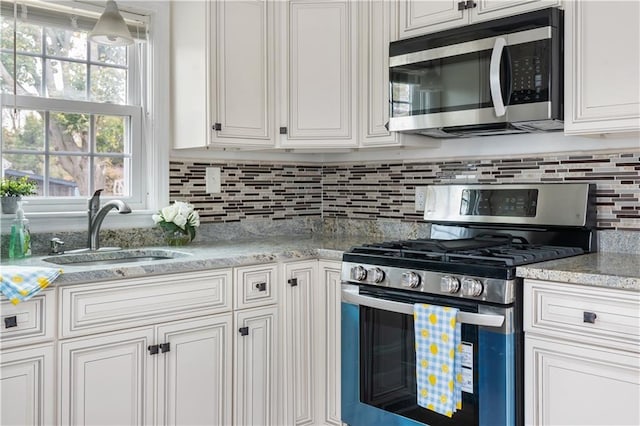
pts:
[201, 256]
[604, 269]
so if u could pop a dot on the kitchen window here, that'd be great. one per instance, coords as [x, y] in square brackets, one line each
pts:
[76, 114]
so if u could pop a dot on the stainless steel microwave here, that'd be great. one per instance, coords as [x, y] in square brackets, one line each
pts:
[496, 77]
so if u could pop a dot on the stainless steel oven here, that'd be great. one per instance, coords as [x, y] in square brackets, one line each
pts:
[480, 234]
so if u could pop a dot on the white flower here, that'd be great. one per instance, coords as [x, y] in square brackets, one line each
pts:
[157, 218]
[169, 213]
[182, 214]
[180, 220]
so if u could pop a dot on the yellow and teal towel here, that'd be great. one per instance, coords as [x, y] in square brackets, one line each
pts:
[20, 283]
[438, 358]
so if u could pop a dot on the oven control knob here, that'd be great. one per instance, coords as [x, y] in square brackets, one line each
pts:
[449, 284]
[410, 279]
[377, 275]
[358, 273]
[472, 287]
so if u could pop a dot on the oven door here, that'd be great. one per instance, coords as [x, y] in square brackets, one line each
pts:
[379, 366]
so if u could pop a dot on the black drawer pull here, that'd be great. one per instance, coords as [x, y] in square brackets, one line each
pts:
[244, 331]
[10, 322]
[153, 349]
[261, 286]
[165, 347]
[292, 282]
[589, 317]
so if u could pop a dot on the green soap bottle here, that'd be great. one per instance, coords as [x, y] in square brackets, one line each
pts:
[20, 238]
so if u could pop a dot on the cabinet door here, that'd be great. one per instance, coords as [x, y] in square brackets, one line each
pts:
[328, 299]
[244, 72]
[493, 9]
[27, 389]
[191, 74]
[255, 373]
[602, 59]
[417, 17]
[319, 72]
[107, 380]
[375, 17]
[298, 329]
[572, 384]
[195, 372]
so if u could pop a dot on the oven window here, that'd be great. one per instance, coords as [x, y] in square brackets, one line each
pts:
[388, 368]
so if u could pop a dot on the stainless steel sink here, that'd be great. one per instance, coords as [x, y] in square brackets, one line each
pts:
[114, 257]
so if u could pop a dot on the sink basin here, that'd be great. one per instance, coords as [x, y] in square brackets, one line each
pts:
[114, 257]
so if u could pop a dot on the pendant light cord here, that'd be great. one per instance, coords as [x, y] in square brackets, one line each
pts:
[15, 59]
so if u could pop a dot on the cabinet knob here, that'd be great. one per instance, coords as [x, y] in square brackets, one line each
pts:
[153, 349]
[244, 331]
[10, 322]
[589, 317]
[293, 282]
[261, 286]
[165, 347]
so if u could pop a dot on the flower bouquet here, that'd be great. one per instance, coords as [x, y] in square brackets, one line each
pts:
[179, 222]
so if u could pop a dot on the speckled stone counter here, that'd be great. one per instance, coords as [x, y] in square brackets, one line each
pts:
[201, 256]
[605, 269]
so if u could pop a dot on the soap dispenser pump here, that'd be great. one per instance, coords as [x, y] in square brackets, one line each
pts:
[20, 239]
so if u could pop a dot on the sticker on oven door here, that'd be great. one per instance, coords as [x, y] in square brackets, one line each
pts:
[467, 380]
[467, 367]
[467, 355]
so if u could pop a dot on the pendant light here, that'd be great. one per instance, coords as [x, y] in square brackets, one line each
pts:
[111, 28]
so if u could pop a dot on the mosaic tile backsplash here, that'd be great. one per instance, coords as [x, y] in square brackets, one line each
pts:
[385, 190]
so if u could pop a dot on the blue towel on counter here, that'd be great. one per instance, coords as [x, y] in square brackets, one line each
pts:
[20, 283]
[438, 358]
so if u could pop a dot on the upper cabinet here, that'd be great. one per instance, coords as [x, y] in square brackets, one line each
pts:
[376, 23]
[318, 74]
[417, 17]
[602, 59]
[223, 73]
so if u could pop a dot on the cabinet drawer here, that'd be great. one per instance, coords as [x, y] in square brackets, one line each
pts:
[113, 305]
[601, 316]
[33, 319]
[256, 285]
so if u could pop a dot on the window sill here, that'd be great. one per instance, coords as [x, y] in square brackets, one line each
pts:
[74, 221]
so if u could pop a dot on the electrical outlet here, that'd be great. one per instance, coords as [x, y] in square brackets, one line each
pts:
[421, 198]
[213, 181]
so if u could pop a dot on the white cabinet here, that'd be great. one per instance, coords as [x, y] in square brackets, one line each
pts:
[131, 351]
[107, 379]
[299, 355]
[256, 392]
[602, 59]
[32, 321]
[582, 355]
[328, 380]
[318, 73]
[417, 17]
[223, 73]
[375, 26]
[194, 373]
[27, 386]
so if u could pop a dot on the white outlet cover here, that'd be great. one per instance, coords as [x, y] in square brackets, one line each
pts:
[421, 198]
[213, 180]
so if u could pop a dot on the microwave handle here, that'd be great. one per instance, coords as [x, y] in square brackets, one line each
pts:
[350, 295]
[494, 76]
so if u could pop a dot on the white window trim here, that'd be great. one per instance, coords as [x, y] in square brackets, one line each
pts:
[154, 170]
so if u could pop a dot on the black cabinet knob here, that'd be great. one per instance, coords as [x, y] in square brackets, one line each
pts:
[165, 347]
[589, 317]
[153, 349]
[10, 322]
[293, 282]
[261, 286]
[244, 331]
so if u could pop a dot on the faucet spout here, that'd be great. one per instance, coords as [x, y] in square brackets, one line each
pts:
[97, 215]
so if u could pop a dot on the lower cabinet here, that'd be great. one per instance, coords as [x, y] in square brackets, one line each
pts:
[311, 346]
[27, 386]
[582, 355]
[256, 395]
[113, 378]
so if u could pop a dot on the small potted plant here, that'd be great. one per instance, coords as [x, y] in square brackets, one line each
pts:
[13, 189]
[178, 222]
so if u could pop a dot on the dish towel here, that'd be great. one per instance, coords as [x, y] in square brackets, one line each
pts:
[20, 283]
[438, 358]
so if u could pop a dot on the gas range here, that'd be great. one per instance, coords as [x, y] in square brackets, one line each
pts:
[480, 234]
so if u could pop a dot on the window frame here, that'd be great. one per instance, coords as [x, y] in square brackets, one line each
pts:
[150, 156]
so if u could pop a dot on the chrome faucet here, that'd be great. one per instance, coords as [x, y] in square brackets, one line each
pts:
[97, 215]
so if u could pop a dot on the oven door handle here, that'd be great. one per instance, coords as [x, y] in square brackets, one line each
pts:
[350, 295]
